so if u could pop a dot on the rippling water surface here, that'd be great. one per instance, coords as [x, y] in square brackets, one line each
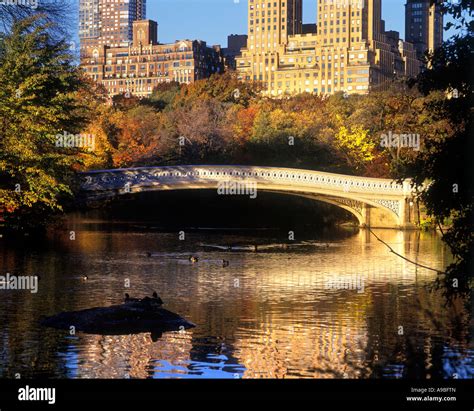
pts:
[333, 306]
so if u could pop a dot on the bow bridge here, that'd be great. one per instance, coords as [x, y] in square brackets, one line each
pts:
[375, 202]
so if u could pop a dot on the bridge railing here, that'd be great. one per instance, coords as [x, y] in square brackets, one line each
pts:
[101, 180]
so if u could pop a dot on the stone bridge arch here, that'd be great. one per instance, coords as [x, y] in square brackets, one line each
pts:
[376, 203]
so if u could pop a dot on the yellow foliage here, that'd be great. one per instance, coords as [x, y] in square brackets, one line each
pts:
[356, 144]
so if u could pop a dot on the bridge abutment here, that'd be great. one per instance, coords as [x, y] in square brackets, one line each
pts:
[374, 217]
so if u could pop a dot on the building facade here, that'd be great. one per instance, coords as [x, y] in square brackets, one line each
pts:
[349, 51]
[108, 22]
[235, 42]
[270, 23]
[424, 25]
[144, 64]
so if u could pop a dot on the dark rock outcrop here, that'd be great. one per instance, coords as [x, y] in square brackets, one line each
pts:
[128, 318]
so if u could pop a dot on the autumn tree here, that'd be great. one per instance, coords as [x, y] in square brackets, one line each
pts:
[164, 95]
[445, 168]
[138, 138]
[54, 16]
[225, 88]
[356, 145]
[38, 100]
[201, 132]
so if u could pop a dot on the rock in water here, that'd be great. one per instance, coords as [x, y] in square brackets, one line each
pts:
[128, 318]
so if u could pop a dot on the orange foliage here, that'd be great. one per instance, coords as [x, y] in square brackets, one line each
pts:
[243, 126]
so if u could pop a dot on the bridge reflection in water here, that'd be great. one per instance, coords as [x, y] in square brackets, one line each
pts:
[376, 203]
[282, 318]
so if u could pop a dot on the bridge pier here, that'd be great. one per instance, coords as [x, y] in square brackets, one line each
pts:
[365, 215]
[408, 214]
[373, 217]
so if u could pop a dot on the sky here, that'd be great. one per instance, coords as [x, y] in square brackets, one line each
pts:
[213, 20]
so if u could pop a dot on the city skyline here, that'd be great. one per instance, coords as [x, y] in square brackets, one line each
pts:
[286, 55]
[201, 23]
[234, 19]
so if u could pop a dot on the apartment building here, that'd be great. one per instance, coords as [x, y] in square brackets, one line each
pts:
[141, 66]
[108, 22]
[349, 51]
[424, 25]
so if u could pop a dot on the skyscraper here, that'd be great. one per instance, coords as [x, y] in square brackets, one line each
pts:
[424, 25]
[269, 25]
[348, 51]
[271, 22]
[108, 22]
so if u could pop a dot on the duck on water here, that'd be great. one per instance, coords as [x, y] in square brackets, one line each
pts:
[194, 260]
[155, 299]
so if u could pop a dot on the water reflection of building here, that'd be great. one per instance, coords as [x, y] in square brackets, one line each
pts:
[299, 326]
[336, 341]
[135, 356]
[302, 351]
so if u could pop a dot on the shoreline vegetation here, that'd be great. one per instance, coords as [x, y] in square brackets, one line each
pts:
[44, 94]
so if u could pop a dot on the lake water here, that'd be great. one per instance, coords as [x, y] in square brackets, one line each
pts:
[336, 304]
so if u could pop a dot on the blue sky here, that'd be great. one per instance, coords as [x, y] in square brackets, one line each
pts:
[213, 20]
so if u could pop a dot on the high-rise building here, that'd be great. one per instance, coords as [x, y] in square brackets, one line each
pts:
[108, 22]
[269, 25]
[424, 25]
[349, 50]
